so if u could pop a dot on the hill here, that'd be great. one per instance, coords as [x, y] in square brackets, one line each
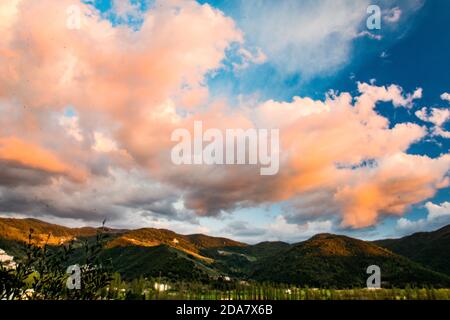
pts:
[325, 260]
[431, 249]
[43, 232]
[335, 261]
[189, 244]
[134, 253]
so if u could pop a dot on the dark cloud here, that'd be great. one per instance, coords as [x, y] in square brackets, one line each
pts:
[13, 175]
[243, 229]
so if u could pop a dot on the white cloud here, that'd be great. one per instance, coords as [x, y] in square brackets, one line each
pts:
[103, 143]
[438, 117]
[72, 127]
[392, 93]
[435, 116]
[282, 230]
[120, 89]
[445, 96]
[410, 226]
[309, 37]
[248, 57]
[437, 131]
[438, 216]
[125, 10]
[436, 211]
[278, 229]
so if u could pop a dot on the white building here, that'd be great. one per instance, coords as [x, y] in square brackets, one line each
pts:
[161, 287]
[7, 260]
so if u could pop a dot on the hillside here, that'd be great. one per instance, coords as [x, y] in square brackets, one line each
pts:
[431, 249]
[189, 244]
[43, 232]
[335, 261]
[135, 261]
[325, 260]
[146, 251]
[238, 261]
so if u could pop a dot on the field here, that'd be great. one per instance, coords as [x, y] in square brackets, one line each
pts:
[143, 289]
[298, 294]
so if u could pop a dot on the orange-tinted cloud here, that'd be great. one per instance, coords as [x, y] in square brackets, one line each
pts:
[131, 88]
[21, 153]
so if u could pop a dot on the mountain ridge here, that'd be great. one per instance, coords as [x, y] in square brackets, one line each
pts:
[432, 249]
[325, 259]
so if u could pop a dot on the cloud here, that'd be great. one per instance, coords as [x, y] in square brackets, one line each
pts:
[118, 80]
[243, 230]
[103, 143]
[298, 36]
[435, 116]
[281, 230]
[445, 96]
[131, 88]
[126, 10]
[438, 216]
[72, 126]
[343, 154]
[315, 38]
[438, 117]
[393, 15]
[248, 57]
[370, 35]
[121, 196]
[19, 153]
[391, 93]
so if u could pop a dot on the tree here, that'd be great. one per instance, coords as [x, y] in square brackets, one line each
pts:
[42, 273]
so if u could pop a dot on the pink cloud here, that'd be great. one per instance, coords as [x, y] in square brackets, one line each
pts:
[128, 88]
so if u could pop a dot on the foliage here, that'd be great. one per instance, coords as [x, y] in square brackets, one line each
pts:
[143, 288]
[42, 275]
[434, 247]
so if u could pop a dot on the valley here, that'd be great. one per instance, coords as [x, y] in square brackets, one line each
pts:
[323, 261]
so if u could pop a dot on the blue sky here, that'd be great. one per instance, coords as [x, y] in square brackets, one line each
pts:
[417, 55]
[290, 51]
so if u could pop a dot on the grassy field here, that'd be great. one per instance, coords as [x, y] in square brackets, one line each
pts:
[146, 289]
[295, 294]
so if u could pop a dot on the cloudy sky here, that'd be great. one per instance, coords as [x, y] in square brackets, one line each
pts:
[90, 92]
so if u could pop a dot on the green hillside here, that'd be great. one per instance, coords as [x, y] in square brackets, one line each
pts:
[340, 262]
[431, 249]
[325, 260]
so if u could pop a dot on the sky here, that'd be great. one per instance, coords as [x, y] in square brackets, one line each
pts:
[91, 91]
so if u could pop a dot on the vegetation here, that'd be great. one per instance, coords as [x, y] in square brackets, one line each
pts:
[144, 289]
[331, 261]
[42, 273]
[161, 264]
[430, 249]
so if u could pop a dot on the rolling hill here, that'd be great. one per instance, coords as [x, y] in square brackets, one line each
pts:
[431, 249]
[190, 244]
[146, 251]
[19, 229]
[333, 261]
[325, 260]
